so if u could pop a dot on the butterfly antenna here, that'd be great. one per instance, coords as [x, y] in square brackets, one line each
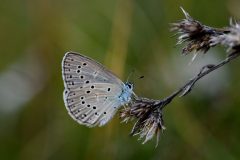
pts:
[130, 74]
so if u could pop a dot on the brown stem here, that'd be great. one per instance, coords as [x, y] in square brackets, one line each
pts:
[185, 89]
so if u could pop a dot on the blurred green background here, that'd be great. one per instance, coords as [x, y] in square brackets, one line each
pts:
[124, 35]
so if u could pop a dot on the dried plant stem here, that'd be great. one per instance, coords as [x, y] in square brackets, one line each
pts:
[148, 113]
[185, 89]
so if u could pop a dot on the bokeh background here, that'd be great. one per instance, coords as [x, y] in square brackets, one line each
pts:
[124, 35]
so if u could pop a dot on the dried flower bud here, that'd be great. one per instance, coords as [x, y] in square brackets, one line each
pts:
[138, 108]
[149, 125]
[197, 35]
[149, 118]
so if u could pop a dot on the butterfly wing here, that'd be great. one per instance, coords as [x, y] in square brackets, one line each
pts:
[91, 91]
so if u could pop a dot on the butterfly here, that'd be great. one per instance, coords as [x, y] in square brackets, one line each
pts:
[92, 93]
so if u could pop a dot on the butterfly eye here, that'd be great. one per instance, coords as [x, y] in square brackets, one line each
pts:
[129, 85]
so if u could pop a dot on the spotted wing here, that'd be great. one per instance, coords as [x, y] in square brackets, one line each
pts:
[91, 91]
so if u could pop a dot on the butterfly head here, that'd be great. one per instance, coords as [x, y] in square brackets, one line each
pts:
[129, 85]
